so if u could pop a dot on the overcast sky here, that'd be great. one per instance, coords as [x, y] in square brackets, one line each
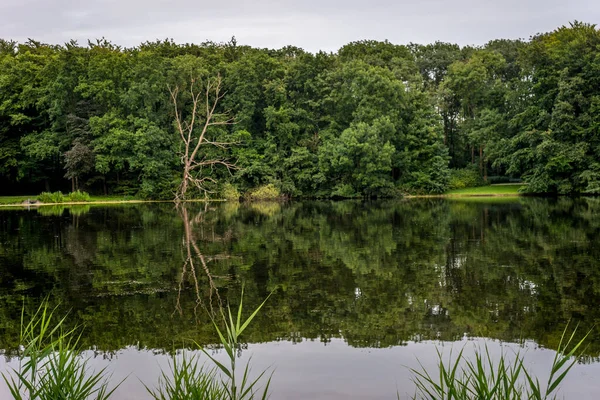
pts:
[311, 24]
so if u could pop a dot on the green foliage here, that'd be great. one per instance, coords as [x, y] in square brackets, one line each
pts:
[56, 197]
[230, 340]
[265, 192]
[486, 379]
[490, 190]
[187, 381]
[50, 367]
[77, 196]
[373, 119]
[465, 178]
[100, 116]
[190, 382]
[230, 192]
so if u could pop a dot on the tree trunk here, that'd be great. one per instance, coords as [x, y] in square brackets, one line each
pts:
[205, 99]
[72, 184]
[481, 160]
[484, 170]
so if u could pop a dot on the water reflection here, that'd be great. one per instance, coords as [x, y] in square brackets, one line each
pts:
[375, 274]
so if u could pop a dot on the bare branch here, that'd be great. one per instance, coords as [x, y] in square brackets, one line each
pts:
[193, 131]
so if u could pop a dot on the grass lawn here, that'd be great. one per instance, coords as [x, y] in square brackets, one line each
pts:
[18, 200]
[15, 199]
[511, 189]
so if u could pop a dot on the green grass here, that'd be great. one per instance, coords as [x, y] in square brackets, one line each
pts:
[491, 190]
[15, 199]
[18, 200]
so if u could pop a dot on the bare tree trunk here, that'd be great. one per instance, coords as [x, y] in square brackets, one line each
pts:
[72, 184]
[205, 99]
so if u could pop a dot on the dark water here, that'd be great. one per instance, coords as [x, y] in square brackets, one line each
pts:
[362, 288]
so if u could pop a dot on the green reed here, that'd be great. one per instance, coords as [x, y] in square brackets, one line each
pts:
[224, 381]
[50, 367]
[187, 380]
[483, 379]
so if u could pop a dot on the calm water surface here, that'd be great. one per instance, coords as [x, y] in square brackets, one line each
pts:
[362, 288]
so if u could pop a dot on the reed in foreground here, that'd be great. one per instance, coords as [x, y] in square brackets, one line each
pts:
[50, 367]
[483, 379]
[186, 380]
[189, 381]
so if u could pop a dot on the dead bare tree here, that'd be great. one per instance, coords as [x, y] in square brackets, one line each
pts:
[194, 128]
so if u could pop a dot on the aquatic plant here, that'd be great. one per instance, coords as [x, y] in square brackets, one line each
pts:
[186, 380]
[483, 379]
[190, 381]
[50, 367]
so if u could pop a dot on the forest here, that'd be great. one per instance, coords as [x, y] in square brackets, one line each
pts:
[374, 119]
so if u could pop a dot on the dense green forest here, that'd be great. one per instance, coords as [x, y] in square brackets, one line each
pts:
[373, 119]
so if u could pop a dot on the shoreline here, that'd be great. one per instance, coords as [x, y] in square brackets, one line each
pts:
[112, 202]
[99, 202]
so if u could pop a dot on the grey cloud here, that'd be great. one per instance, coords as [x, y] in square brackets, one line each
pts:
[311, 24]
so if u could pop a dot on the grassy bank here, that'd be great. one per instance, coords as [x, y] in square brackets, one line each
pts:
[20, 200]
[508, 189]
[499, 190]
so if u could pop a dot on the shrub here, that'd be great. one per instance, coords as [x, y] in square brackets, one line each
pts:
[47, 197]
[465, 178]
[344, 190]
[265, 192]
[78, 196]
[230, 192]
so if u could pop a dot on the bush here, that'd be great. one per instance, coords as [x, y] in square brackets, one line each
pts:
[265, 192]
[58, 197]
[230, 192]
[47, 197]
[78, 196]
[465, 178]
[344, 190]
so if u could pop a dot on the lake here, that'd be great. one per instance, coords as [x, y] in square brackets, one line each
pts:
[361, 289]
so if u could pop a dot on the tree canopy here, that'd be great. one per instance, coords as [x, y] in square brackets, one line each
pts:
[373, 119]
